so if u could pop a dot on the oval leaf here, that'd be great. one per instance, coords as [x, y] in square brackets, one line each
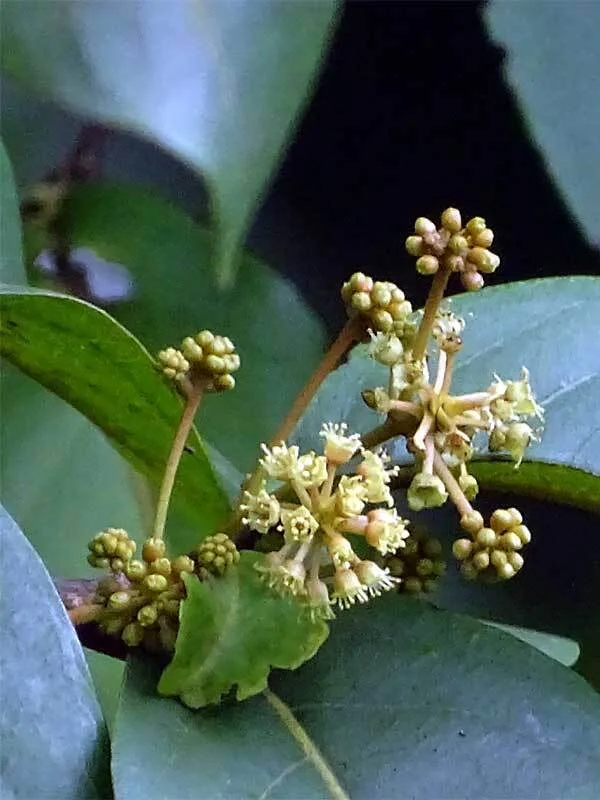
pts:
[81, 354]
[546, 325]
[54, 741]
[217, 82]
[232, 632]
[402, 701]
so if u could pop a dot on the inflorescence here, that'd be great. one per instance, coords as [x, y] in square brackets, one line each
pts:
[317, 563]
[333, 507]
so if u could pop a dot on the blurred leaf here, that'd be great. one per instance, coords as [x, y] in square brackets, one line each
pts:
[88, 359]
[553, 58]
[217, 82]
[401, 701]
[546, 325]
[563, 650]
[279, 339]
[54, 741]
[11, 263]
[232, 632]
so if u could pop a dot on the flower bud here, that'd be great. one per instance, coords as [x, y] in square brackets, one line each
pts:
[471, 522]
[510, 541]
[484, 238]
[501, 520]
[451, 220]
[147, 615]
[427, 265]
[486, 537]
[481, 560]
[423, 226]
[153, 549]
[414, 246]
[119, 601]
[133, 634]
[155, 583]
[523, 532]
[472, 281]
[462, 548]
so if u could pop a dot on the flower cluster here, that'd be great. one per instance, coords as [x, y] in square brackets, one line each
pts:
[381, 303]
[452, 247]
[317, 562]
[205, 358]
[492, 552]
[443, 431]
[141, 597]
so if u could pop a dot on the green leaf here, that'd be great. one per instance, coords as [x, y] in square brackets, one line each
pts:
[549, 326]
[11, 262]
[54, 741]
[552, 55]
[232, 632]
[279, 339]
[401, 701]
[217, 82]
[561, 649]
[81, 354]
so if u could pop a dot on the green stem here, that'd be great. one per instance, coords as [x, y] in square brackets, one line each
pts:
[432, 304]
[185, 425]
[350, 333]
[456, 493]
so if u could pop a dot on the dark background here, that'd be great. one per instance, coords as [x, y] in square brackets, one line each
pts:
[411, 114]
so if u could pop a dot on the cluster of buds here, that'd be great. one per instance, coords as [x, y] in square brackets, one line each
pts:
[454, 248]
[444, 431]
[317, 563]
[206, 358]
[216, 554]
[492, 552]
[141, 597]
[112, 549]
[381, 303]
[419, 564]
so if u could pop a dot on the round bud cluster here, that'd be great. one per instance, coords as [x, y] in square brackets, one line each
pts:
[381, 303]
[491, 553]
[453, 247]
[174, 364]
[112, 549]
[205, 357]
[216, 553]
[419, 564]
[143, 606]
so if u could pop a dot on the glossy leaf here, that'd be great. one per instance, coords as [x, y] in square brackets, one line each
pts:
[547, 325]
[217, 82]
[232, 632]
[88, 359]
[552, 57]
[11, 269]
[279, 338]
[54, 741]
[401, 701]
